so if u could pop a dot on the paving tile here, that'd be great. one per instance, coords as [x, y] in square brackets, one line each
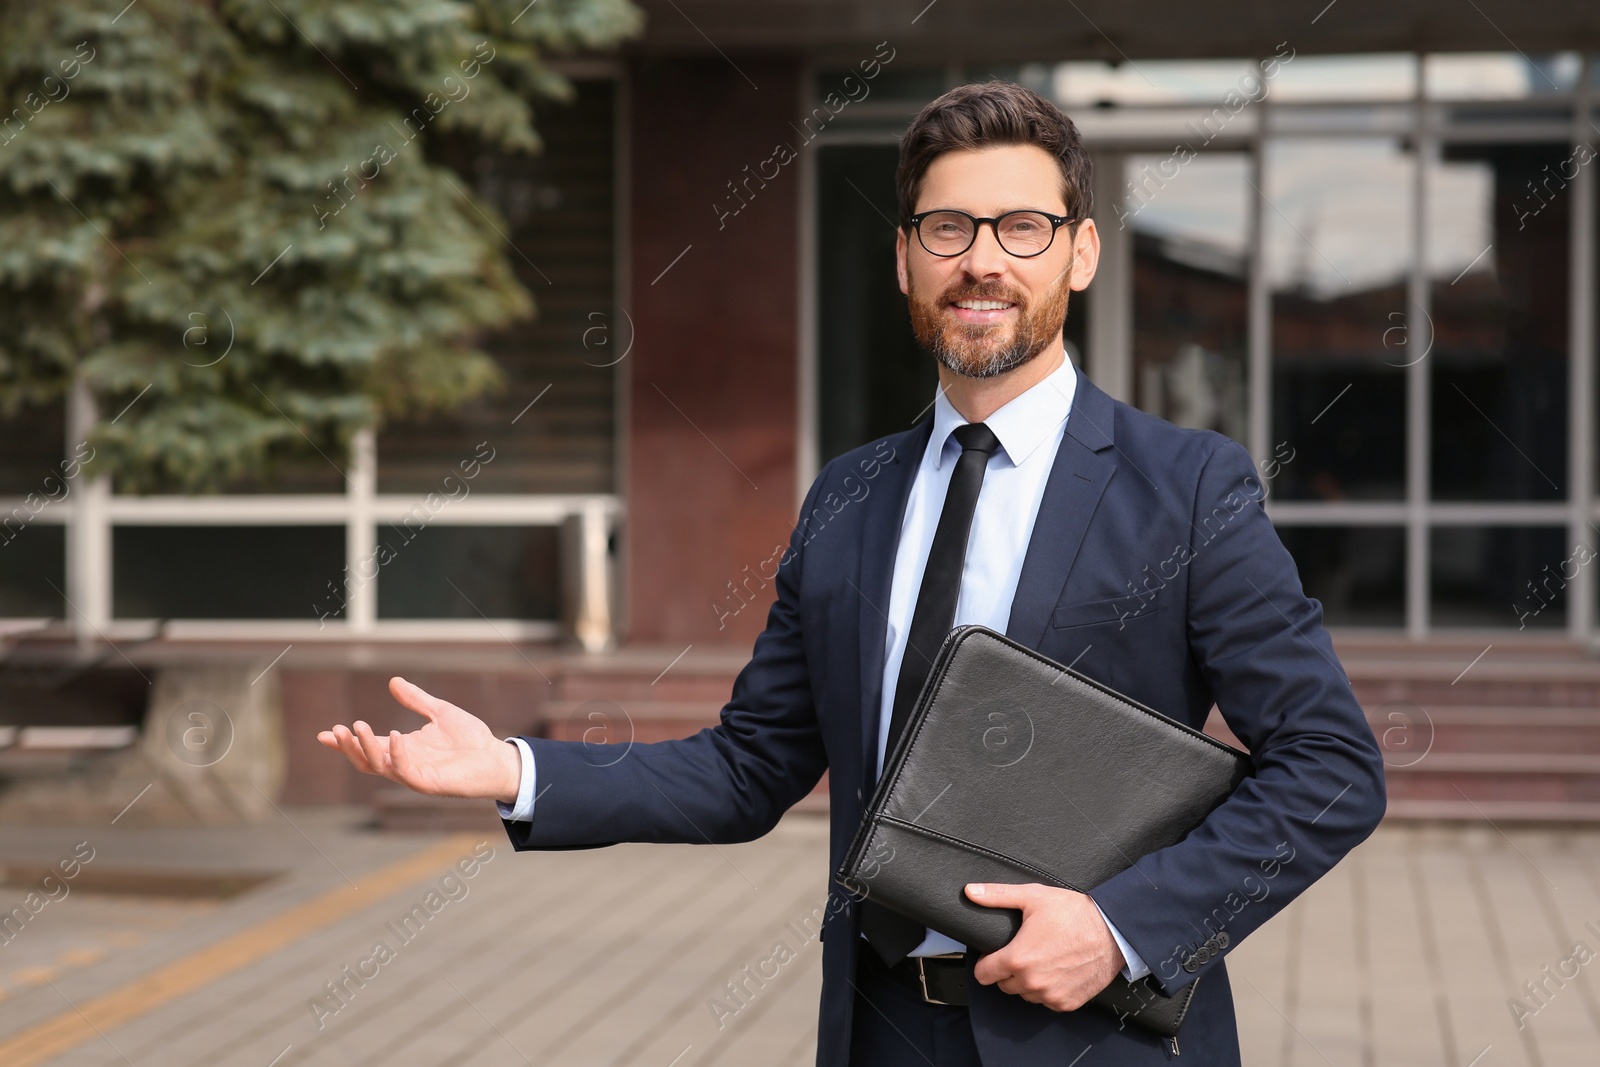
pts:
[1407, 953]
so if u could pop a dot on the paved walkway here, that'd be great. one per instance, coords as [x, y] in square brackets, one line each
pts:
[1406, 954]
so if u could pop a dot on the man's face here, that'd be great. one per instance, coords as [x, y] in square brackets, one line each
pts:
[984, 312]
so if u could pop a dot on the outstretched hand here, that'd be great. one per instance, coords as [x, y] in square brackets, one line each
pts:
[1063, 955]
[454, 754]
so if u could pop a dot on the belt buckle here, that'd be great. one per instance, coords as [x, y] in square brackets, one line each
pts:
[922, 977]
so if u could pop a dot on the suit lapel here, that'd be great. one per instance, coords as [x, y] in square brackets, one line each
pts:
[1082, 469]
[885, 513]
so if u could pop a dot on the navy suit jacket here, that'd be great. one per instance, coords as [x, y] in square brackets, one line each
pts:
[1153, 568]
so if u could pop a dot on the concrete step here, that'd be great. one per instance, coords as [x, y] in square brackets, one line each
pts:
[605, 721]
[1551, 778]
[1519, 764]
[1498, 812]
[1406, 731]
[661, 675]
[1512, 724]
[1508, 672]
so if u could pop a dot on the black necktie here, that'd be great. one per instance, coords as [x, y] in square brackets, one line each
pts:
[891, 934]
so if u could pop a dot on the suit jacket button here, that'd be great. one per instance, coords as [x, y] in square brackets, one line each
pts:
[1191, 965]
[1223, 940]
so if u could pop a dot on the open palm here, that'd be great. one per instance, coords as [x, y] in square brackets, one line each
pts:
[454, 754]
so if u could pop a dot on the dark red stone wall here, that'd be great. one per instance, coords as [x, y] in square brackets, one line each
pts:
[712, 375]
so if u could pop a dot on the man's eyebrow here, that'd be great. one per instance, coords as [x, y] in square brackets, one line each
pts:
[1003, 211]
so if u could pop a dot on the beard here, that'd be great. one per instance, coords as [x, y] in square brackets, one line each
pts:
[976, 351]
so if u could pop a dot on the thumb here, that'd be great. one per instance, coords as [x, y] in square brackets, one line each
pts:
[416, 698]
[1002, 895]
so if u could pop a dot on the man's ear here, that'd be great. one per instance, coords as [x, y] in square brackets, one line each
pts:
[1086, 255]
[900, 260]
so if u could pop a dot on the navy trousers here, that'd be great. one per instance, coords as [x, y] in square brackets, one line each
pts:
[895, 1027]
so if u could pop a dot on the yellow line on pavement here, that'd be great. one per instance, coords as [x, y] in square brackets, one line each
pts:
[87, 1021]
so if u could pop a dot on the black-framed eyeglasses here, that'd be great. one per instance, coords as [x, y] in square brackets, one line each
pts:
[1023, 234]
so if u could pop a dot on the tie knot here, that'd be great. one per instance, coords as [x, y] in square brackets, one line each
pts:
[975, 436]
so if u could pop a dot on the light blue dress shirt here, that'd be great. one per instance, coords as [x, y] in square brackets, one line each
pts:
[1029, 428]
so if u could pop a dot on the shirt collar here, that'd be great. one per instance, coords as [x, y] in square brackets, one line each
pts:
[1022, 424]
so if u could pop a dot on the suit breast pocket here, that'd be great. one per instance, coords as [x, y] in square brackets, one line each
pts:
[1122, 611]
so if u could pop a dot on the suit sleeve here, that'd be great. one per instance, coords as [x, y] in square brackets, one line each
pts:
[1317, 787]
[727, 783]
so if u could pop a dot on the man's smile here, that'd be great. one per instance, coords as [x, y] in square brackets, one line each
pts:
[981, 312]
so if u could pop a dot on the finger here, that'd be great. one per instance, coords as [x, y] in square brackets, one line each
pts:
[376, 751]
[352, 749]
[1014, 985]
[992, 968]
[1001, 895]
[417, 698]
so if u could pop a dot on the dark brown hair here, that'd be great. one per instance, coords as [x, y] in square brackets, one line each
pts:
[984, 115]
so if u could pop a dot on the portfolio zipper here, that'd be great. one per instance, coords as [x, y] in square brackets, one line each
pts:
[1174, 1040]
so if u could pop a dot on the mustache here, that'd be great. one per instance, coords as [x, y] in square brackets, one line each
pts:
[983, 291]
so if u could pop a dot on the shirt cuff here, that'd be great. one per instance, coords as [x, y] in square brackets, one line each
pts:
[1136, 967]
[522, 810]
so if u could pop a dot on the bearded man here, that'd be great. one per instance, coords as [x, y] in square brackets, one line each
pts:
[1031, 502]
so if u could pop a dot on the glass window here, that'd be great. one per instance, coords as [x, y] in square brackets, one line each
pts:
[1153, 81]
[227, 572]
[1357, 572]
[559, 209]
[1594, 296]
[1501, 576]
[1337, 247]
[914, 85]
[294, 474]
[1190, 287]
[1040, 77]
[32, 557]
[1382, 76]
[32, 447]
[1498, 236]
[872, 378]
[1499, 75]
[468, 572]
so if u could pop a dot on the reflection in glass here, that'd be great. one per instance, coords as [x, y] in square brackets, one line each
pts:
[1094, 83]
[32, 448]
[1499, 75]
[1357, 572]
[32, 559]
[872, 379]
[558, 208]
[227, 572]
[1376, 76]
[1501, 576]
[468, 572]
[1498, 218]
[1337, 252]
[1190, 290]
[916, 85]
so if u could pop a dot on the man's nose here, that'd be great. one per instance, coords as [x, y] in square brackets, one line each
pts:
[985, 259]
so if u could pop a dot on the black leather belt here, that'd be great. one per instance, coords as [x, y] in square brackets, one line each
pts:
[936, 979]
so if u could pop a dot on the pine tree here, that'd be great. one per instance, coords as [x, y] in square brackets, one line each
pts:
[231, 221]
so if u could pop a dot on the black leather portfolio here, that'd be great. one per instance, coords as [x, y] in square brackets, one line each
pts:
[1013, 768]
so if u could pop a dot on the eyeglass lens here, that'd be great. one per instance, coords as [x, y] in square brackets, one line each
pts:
[1021, 233]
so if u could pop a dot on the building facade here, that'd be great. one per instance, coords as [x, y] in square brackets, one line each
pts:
[1360, 243]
